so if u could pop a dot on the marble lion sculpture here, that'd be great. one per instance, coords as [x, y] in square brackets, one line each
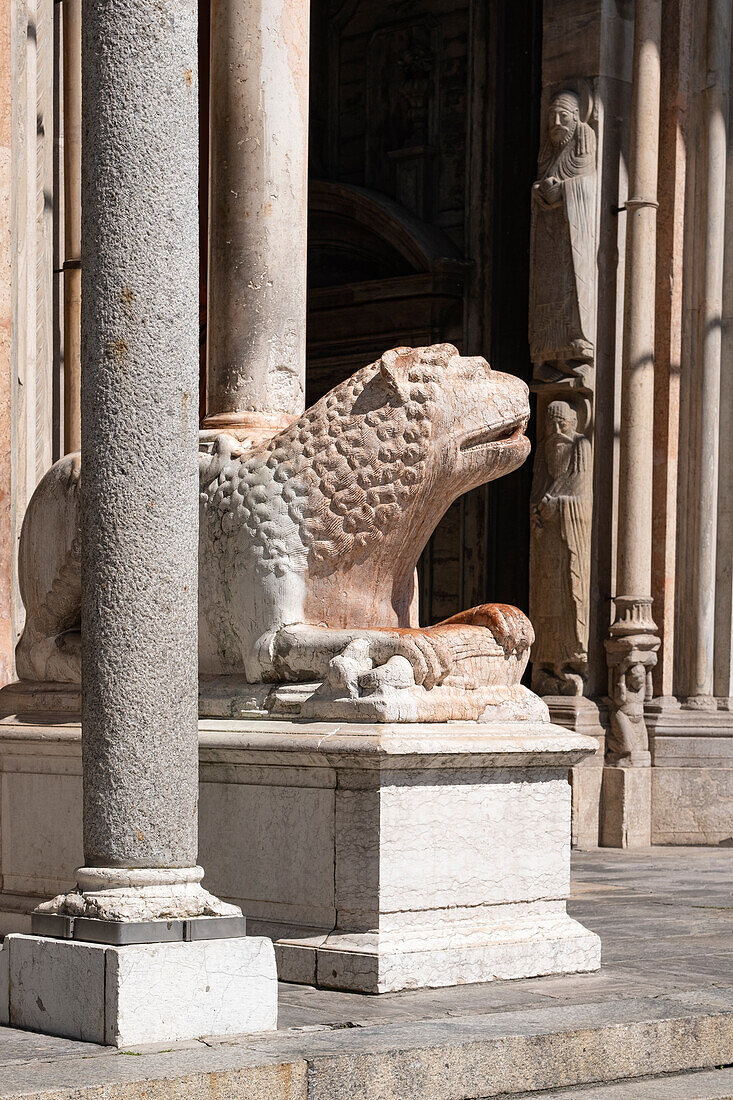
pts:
[308, 548]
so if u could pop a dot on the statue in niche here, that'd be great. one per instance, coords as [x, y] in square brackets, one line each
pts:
[561, 504]
[563, 248]
[561, 336]
[417, 66]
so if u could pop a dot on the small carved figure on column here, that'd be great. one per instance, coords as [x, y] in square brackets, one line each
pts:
[628, 738]
[563, 247]
[631, 654]
[627, 741]
[559, 553]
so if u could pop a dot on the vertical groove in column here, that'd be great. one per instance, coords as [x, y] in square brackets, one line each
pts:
[668, 477]
[71, 10]
[139, 432]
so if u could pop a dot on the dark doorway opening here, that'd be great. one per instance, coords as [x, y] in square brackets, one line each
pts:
[424, 127]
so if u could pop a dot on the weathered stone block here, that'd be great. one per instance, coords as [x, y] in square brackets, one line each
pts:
[626, 807]
[142, 993]
[4, 988]
[692, 805]
[585, 821]
[451, 848]
[57, 987]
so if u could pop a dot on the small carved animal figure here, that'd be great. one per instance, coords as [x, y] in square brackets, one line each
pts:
[309, 541]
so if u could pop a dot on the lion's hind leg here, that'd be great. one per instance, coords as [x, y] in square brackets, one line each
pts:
[49, 648]
[42, 658]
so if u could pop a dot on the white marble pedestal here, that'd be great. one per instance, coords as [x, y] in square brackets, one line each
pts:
[428, 855]
[140, 993]
[375, 856]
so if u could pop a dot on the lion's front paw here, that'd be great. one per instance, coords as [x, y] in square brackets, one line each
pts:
[429, 655]
[509, 626]
[399, 659]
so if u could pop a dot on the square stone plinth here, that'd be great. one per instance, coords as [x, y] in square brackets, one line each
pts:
[141, 993]
[626, 807]
[386, 857]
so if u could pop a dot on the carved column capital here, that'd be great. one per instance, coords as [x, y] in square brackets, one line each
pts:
[633, 617]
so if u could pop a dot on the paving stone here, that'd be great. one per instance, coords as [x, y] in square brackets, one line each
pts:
[28, 1046]
[703, 1085]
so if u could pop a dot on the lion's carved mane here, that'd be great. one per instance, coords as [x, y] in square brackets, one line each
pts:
[330, 486]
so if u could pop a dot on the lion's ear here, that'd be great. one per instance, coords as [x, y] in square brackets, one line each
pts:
[394, 367]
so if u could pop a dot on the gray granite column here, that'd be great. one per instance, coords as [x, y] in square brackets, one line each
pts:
[139, 457]
[258, 205]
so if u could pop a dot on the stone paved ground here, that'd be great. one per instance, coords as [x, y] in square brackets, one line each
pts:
[665, 917]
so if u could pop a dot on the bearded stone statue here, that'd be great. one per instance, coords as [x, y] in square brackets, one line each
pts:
[563, 252]
[562, 306]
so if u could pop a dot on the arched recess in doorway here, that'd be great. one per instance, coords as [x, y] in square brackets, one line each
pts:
[379, 277]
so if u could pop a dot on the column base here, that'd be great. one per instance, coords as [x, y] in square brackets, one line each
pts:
[251, 428]
[494, 943]
[117, 933]
[626, 807]
[136, 895]
[140, 993]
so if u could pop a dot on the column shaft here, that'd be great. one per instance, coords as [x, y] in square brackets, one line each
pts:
[71, 10]
[713, 150]
[674, 128]
[633, 576]
[633, 642]
[724, 554]
[257, 213]
[139, 433]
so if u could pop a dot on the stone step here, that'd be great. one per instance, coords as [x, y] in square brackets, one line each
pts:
[475, 1057]
[714, 1084]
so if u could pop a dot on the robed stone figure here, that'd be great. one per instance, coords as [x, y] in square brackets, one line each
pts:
[562, 305]
[563, 250]
[561, 504]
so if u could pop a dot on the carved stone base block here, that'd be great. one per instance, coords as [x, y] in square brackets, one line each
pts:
[140, 993]
[626, 807]
[585, 824]
[233, 697]
[442, 853]
[583, 715]
[426, 950]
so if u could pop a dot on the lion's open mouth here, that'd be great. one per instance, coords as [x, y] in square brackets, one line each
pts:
[489, 437]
